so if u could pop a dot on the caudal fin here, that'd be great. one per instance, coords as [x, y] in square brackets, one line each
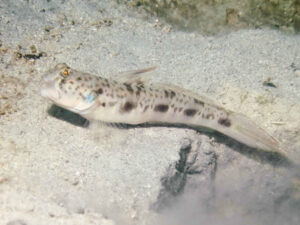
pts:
[247, 132]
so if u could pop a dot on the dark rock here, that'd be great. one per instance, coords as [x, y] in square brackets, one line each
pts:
[194, 172]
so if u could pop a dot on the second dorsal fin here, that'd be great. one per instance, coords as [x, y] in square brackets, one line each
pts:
[133, 76]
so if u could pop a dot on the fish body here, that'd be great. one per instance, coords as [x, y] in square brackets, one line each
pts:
[134, 100]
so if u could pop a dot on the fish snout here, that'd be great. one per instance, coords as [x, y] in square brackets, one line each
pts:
[48, 89]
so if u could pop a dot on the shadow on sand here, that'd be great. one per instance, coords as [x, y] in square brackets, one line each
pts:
[275, 159]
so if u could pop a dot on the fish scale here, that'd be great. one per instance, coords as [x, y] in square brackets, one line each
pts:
[132, 99]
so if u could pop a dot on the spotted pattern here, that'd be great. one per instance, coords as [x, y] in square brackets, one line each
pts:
[99, 91]
[161, 108]
[190, 112]
[210, 116]
[139, 95]
[172, 94]
[197, 101]
[128, 106]
[224, 122]
[128, 88]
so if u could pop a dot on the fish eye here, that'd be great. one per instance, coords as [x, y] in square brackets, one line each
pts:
[64, 72]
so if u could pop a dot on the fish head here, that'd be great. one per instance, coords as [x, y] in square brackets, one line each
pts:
[68, 88]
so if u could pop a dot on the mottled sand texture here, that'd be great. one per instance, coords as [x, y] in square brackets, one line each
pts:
[56, 172]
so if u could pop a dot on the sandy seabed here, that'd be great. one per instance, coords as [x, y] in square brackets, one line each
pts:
[53, 171]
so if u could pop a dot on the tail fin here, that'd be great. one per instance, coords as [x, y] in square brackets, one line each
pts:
[247, 132]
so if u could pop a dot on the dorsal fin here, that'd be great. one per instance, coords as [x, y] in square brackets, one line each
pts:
[134, 76]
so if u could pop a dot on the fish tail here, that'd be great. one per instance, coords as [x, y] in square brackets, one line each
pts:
[246, 131]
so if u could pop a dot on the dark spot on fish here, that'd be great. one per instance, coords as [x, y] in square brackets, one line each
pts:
[79, 78]
[86, 79]
[61, 83]
[166, 93]
[103, 104]
[77, 87]
[180, 109]
[161, 108]
[224, 122]
[141, 85]
[138, 92]
[210, 116]
[175, 109]
[173, 94]
[190, 112]
[197, 101]
[71, 82]
[129, 88]
[99, 91]
[128, 106]
[106, 83]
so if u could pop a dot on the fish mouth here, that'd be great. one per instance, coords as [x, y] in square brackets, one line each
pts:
[48, 90]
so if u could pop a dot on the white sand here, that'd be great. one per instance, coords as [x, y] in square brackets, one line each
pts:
[53, 172]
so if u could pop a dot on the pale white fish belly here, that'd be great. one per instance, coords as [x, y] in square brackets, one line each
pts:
[113, 116]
